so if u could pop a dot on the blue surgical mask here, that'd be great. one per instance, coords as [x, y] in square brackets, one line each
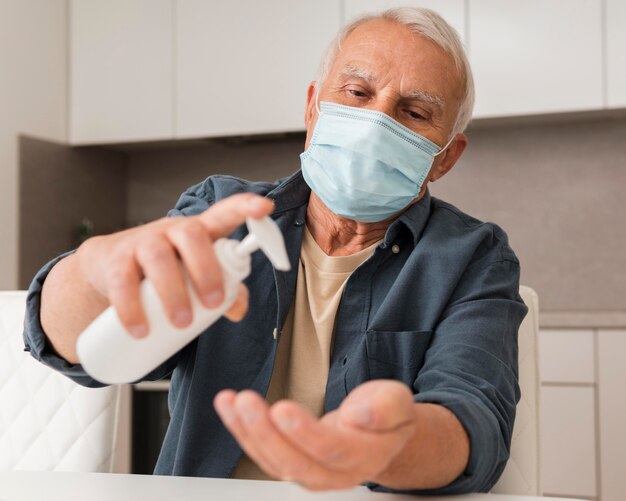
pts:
[363, 164]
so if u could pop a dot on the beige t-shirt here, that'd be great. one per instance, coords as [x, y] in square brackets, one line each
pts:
[303, 354]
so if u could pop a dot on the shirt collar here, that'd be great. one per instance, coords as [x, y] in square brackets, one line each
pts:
[413, 219]
[292, 192]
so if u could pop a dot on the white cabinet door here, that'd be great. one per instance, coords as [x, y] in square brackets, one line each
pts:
[452, 11]
[243, 67]
[536, 56]
[616, 53]
[120, 70]
[568, 447]
[566, 356]
[611, 383]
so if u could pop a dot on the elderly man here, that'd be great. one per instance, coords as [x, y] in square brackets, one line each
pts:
[387, 356]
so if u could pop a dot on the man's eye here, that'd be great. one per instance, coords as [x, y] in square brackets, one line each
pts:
[416, 116]
[356, 93]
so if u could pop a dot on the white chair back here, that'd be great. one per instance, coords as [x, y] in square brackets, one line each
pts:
[522, 475]
[48, 422]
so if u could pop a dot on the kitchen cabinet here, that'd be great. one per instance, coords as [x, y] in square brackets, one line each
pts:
[568, 413]
[536, 56]
[612, 403]
[568, 441]
[243, 67]
[144, 70]
[121, 70]
[452, 11]
[615, 55]
[566, 356]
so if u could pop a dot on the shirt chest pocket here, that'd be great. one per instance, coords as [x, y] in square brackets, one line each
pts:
[396, 354]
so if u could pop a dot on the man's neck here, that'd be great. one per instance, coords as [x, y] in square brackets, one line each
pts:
[338, 236]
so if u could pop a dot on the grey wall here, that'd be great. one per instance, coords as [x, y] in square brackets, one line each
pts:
[559, 190]
[156, 177]
[59, 186]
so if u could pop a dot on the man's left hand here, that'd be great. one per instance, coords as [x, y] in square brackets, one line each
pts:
[344, 448]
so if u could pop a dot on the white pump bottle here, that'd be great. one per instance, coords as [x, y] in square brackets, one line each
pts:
[111, 355]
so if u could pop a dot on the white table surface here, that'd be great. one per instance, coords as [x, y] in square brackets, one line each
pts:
[60, 486]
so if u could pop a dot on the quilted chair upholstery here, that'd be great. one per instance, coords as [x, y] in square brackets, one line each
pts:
[522, 473]
[47, 422]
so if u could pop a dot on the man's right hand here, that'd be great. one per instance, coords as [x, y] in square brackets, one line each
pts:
[107, 270]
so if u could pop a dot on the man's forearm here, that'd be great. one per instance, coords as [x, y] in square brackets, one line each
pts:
[68, 305]
[434, 456]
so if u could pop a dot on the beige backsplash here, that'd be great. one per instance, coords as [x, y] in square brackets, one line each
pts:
[560, 193]
[558, 189]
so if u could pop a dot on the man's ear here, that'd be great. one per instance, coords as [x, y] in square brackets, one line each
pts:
[449, 157]
[310, 103]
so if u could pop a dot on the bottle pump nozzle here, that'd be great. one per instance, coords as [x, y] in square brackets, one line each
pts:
[265, 235]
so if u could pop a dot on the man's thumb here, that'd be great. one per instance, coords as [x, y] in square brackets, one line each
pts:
[381, 405]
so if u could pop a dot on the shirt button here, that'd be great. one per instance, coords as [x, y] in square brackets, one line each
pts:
[395, 248]
[299, 222]
[275, 333]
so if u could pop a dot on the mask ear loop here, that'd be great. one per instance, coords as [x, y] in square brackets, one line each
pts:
[317, 100]
[445, 147]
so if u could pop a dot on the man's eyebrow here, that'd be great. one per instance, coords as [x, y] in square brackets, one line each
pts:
[426, 97]
[352, 70]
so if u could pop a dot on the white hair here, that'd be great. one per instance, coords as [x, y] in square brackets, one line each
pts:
[424, 22]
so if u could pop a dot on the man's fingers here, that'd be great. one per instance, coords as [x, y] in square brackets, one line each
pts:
[247, 418]
[341, 448]
[325, 443]
[225, 406]
[195, 248]
[161, 266]
[155, 251]
[222, 218]
[122, 288]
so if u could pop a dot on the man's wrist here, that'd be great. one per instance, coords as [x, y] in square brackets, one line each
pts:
[388, 475]
[435, 455]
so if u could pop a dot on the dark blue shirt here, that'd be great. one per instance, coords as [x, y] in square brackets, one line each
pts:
[440, 312]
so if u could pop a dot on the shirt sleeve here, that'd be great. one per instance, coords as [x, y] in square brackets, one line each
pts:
[471, 368]
[192, 201]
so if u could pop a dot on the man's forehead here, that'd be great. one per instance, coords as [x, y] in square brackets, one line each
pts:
[382, 41]
[384, 35]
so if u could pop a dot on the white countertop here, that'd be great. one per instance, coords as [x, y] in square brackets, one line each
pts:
[59, 486]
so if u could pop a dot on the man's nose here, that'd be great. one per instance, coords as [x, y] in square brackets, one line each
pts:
[385, 105]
